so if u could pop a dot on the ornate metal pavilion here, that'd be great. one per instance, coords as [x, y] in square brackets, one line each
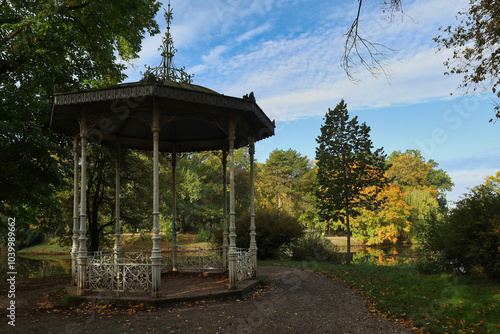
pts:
[164, 112]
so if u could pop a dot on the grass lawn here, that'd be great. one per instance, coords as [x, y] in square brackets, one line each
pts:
[439, 303]
[129, 243]
[45, 248]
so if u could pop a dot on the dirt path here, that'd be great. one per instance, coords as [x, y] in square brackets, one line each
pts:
[295, 301]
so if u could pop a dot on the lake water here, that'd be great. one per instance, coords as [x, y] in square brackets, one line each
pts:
[40, 266]
[380, 255]
[50, 265]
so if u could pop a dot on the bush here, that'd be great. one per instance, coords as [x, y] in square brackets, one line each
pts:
[468, 239]
[26, 238]
[203, 235]
[273, 230]
[310, 247]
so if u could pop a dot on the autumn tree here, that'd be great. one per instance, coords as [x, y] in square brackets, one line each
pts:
[389, 222]
[410, 171]
[423, 183]
[49, 46]
[493, 182]
[475, 43]
[347, 165]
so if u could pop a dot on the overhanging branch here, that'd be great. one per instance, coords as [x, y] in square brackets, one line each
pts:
[360, 50]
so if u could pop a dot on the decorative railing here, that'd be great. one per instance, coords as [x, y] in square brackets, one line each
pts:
[119, 277]
[100, 257]
[196, 259]
[132, 271]
[244, 266]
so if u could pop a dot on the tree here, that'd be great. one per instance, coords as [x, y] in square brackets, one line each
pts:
[410, 171]
[475, 43]
[49, 46]
[493, 182]
[387, 223]
[371, 55]
[285, 176]
[346, 166]
[468, 238]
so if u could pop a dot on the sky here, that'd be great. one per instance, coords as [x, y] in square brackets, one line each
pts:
[288, 53]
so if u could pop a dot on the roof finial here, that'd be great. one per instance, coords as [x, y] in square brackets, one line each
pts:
[167, 70]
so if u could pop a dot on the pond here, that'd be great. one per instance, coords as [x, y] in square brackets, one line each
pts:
[57, 265]
[379, 255]
[39, 266]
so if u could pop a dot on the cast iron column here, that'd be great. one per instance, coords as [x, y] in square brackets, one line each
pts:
[174, 211]
[118, 247]
[74, 249]
[232, 254]
[224, 198]
[156, 252]
[82, 249]
[253, 242]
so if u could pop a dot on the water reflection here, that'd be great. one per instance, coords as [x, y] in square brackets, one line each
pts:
[38, 267]
[382, 255]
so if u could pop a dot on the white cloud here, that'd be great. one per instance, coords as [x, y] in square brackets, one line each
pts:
[254, 32]
[301, 73]
[467, 179]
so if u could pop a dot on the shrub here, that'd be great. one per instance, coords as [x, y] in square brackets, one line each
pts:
[26, 238]
[273, 230]
[203, 235]
[468, 239]
[310, 247]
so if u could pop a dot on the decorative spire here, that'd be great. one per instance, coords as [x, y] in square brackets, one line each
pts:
[167, 70]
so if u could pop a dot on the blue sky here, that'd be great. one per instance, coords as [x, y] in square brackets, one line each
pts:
[288, 53]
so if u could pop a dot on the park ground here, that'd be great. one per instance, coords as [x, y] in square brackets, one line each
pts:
[292, 300]
[295, 297]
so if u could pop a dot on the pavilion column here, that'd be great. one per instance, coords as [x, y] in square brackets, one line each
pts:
[82, 249]
[156, 252]
[74, 249]
[118, 247]
[253, 242]
[174, 211]
[224, 198]
[232, 253]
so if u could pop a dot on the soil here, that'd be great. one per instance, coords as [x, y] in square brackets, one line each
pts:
[292, 301]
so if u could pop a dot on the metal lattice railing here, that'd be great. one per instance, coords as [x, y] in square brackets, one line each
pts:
[132, 271]
[197, 259]
[119, 277]
[244, 266]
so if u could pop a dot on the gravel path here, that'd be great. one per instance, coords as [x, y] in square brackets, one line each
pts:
[295, 301]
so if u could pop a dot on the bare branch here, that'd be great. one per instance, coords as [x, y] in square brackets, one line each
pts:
[360, 50]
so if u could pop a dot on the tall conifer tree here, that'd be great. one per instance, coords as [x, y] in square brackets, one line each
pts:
[346, 165]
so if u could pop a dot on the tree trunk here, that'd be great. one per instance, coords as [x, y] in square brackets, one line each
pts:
[93, 230]
[348, 230]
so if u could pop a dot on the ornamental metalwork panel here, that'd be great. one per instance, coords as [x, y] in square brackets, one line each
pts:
[119, 277]
[100, 276]
[200, 259]
[244, 266]
[135, 277]
[100, 258]
[135, 257]
[166, 261]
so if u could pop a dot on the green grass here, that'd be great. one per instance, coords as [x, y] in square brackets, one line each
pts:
[46, 248]
[129, 243]
[439, 303]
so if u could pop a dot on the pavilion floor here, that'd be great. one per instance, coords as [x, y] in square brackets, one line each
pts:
[177, 288]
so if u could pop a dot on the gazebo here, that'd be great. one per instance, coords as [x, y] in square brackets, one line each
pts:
[164, 112]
